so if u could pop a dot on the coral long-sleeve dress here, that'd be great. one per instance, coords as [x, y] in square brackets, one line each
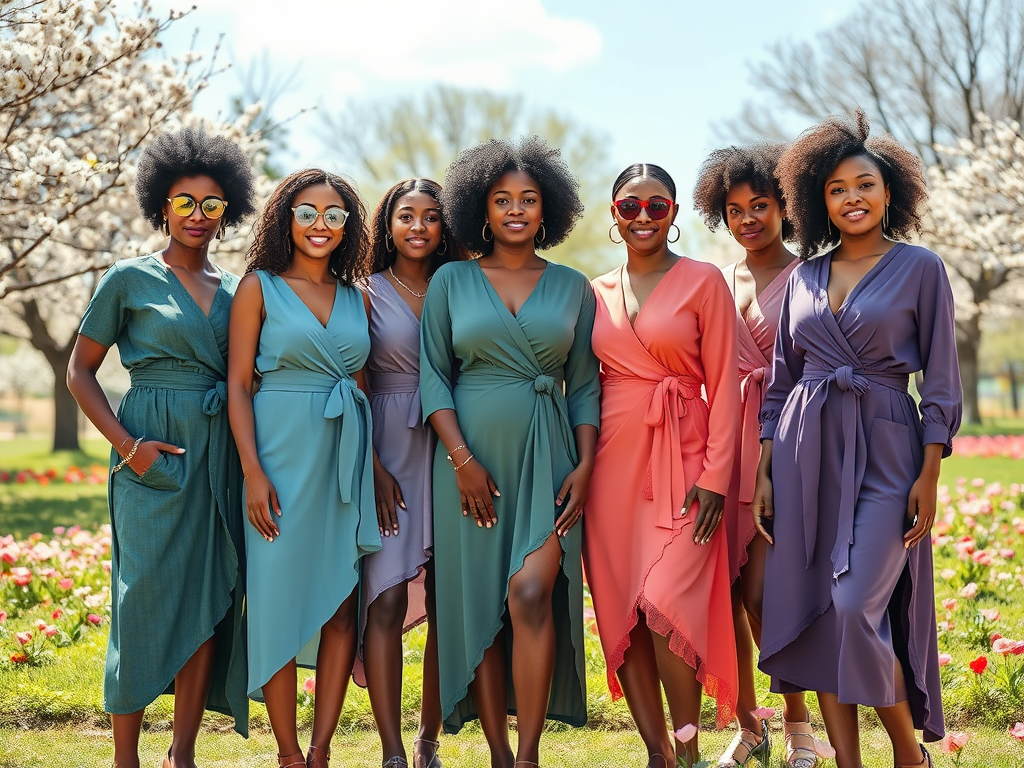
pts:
[658, 439]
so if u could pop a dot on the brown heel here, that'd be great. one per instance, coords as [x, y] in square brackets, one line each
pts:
[313, 761]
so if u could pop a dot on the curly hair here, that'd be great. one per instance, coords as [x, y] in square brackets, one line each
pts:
[724, 168]
[380, 257]
[804, 167]
[272, 246]
[644, 170]
[193, 152]
[476, 170]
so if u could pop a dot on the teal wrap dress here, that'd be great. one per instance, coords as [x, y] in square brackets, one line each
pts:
[177, 564]
[313, 439]
[519, 385]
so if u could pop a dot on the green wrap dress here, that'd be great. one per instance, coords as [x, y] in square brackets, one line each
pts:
[313, 438]
[519, 385]
[177, 565]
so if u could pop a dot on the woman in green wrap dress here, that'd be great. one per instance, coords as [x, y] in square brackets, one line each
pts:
[509, 383]
[177, 570]
[305, 445]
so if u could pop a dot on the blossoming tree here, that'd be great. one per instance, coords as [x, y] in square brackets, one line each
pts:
[82, 90]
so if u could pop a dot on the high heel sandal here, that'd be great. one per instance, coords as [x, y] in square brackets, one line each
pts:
[745, 746]
[926, 760]
[312, 761]
[800, 752]
[435, 761]
[282, 764]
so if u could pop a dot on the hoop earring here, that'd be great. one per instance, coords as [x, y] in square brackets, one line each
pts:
[828, 222]
[483, 232]
[540, 236]
[679, 233]
[165, 227]
[610, 230]
[885, 218]
[389, 242]
[220, 231]
[442, 249]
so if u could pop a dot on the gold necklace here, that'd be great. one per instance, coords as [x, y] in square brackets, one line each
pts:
[410, 290]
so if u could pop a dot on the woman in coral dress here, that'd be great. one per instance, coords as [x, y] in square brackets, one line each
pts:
[656, 562]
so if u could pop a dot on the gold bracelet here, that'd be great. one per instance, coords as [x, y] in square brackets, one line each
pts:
[123, 442]
[450, 459]
[460, 466]
[130, 455]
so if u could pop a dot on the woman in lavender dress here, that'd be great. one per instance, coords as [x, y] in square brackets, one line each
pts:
[849, 466]
[410, 241]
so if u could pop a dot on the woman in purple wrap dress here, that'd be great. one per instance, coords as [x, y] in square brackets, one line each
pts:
[849, 465]
[410, 241]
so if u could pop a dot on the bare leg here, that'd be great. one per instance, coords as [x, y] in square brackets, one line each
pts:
[279, 695]
[747, 698]
[682, 691]
[533, 643]
[430, 707]
[191, 687]
[489, 690]
[842, 728]
[899, 724]
[382, 648]
[639, 679]
[126, 730]
[334, 660]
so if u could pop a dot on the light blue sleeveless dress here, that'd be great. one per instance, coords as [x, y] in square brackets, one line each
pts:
[313, 430]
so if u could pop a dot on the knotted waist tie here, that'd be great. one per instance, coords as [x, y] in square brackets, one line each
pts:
[400, 383]
[853, 384]
[751, 396]
[665, 483]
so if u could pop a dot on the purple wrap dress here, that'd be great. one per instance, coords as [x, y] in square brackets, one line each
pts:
[405, 446]
[843, 600]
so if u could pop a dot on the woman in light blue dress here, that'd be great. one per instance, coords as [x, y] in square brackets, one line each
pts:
[304, 441]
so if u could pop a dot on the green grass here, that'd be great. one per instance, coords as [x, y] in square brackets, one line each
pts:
[1002, 425]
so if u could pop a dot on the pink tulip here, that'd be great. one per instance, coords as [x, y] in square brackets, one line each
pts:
[823, 749]
[40, 625]
[59, 530]
[949, 604]
[944, 659]
[49, 630]
[954, 742]
[1004, 646]
[686, 733]
[92, 618]
[21, 576]
[1007, 554]
[1017, 732]
[310, 685]
[3, 616]
[764, 713]
[991, 614]
[23, 637]
[66, 584]
[970, 591]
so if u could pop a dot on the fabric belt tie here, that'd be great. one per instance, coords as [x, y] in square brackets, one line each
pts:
[853, 384]
[751, 397]
[400, 383]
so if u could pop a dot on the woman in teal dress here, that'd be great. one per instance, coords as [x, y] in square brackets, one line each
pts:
[509, 383]
[304, 440]
[177, 565]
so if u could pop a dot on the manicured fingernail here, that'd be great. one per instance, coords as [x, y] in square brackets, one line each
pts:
[497, 493]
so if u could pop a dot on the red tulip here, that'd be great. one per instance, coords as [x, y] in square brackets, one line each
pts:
[979, 665]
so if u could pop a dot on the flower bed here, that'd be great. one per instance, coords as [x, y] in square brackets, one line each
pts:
[94, 475]
[1008, 446]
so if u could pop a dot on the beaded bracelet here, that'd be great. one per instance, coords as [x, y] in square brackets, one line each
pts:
[450, 459]
[130, 455]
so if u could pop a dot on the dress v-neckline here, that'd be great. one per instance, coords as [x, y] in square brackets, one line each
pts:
[216, 294]
[399, 299]
[622, 292]
[772, 285]
[867, 277]
[494, 292]
[334, 305]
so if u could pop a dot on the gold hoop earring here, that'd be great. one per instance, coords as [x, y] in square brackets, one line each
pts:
[541, 235]
[885, 218]
[442, 249]
[610, 230]
[483, 232]
[679, 233]
[389, 242]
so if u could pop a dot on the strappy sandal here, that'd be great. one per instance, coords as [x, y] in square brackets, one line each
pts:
[282, 764]
[312, 761]
[745, 746]
[800, 752]
[434, 761]
[396, 762]
[926, 760]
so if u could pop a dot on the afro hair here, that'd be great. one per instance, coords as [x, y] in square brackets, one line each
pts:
[381, 258]
[271, 248]
[476, 170]
[193, 152]
[804, 167]
[725, 168]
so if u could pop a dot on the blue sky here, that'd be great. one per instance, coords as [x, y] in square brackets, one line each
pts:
[653, 78]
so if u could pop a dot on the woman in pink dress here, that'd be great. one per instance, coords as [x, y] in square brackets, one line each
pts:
[656, 561]
[736, 186]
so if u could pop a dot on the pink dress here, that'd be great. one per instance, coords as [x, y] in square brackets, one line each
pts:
[755, 342]
[658, 439]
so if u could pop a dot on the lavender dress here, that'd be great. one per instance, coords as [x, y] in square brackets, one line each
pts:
[405, 448]
[843, 600]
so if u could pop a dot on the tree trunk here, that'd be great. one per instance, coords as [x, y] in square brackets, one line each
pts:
[65, 408]
[1011, 373]
[968, 340]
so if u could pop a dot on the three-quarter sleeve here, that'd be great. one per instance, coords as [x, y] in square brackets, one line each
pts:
[582, 390]
[717, 325]
[108, 312]
[437, 356]
[941, 394]
[787, 368]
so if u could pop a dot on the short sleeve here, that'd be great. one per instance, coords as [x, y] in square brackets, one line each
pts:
[107, 314]
[582, 390]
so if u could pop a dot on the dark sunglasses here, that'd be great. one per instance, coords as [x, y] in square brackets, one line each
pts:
[212, 206]
[657, 207]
